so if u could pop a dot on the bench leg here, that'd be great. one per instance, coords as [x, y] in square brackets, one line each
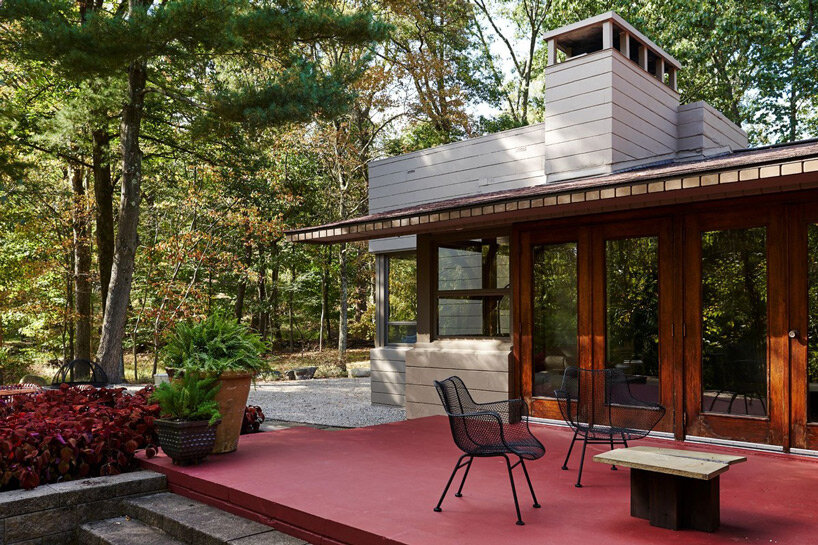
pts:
[666, 501]
[640, 494]
[672, 502]
[701, 499]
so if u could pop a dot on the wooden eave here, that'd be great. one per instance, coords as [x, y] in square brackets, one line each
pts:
[753, 172]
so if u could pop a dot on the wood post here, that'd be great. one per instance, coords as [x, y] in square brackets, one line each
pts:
[552, 52]
[625, 44]
[607, 35]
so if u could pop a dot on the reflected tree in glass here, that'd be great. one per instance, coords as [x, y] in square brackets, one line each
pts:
[734, 321]
[555, 315]
[403, 299]
[812, 314]
[632, 312]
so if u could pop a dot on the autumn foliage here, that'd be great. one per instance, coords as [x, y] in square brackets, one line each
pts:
[71, 433]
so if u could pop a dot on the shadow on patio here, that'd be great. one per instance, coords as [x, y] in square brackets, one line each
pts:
[378, 485]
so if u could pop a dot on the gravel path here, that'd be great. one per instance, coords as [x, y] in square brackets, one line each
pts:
[341, 402]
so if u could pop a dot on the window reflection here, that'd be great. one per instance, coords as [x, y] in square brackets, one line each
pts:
[474, 315]
[734, 321]
[401, 326]
[812, 330]
[473, 298]
[555, 315]
[632, 312]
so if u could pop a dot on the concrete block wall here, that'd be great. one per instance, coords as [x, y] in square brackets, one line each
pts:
[52, 513]
[483, 364]
[388, 375]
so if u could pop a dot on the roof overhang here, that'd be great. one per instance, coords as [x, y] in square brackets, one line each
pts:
[754, 172]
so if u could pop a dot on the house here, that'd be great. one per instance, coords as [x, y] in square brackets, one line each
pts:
[627, 230]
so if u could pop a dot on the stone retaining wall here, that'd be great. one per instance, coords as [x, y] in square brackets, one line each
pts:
[50, 514]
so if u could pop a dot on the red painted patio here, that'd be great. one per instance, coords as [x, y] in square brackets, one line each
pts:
[378, 485]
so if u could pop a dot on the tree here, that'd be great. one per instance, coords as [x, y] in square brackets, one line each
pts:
[785, 57]
[434, 50]
[139, 36]
[522, 44]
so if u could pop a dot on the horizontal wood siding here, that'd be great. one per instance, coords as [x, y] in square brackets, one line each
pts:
[388, 375]
[704, 129]
[514, 157]
[644, 113]
[578, 121]
[482, 364]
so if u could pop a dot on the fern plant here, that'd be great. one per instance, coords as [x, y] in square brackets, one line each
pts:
[215, 345]
[190, 397]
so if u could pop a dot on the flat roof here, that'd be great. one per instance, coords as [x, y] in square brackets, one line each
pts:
[777, 168]
[621, 23]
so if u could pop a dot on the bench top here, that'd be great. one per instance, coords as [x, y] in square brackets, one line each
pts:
[683, 463]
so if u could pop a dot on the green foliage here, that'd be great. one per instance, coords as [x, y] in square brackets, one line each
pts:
[12, 366]
[215, 345]
[190, 397]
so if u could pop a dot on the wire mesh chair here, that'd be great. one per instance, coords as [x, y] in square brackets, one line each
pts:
[482, 430]
[80, 372]
[614, 417]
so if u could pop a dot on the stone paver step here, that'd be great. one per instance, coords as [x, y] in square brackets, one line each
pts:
[196, 523]
[122, 531]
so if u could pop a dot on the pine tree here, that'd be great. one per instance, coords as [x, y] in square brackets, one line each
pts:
[219, 63]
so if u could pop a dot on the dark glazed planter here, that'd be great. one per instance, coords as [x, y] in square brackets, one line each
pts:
[186, 441]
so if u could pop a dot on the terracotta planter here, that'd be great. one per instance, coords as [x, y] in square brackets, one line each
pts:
[186, 441]
[232, 399]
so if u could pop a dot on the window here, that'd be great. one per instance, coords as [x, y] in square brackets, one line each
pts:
[554, 340]
[402, 299]
[473, 292]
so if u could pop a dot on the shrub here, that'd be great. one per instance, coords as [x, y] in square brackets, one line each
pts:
[71, 433]
[215, 345]
[190, 397]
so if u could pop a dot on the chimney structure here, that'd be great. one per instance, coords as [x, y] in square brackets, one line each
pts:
[612, 104]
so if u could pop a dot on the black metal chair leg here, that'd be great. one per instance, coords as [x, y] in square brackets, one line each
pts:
[448, 484]
[531, 488]
[466, 474]
[581, 463]
[613, 467]
[514, 491]
[565, 463]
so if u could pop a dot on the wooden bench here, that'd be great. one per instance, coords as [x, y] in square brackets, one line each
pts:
[673, 488]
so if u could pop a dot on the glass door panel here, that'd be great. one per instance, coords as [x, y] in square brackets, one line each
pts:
[812, 323]
[734, 367]
[632, 312]
[554, 335]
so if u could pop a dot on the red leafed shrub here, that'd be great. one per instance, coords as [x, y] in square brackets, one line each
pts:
[71, 433]
[253, 417]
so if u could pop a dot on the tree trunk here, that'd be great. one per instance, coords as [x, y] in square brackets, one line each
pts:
[290, 306]
[68, 326]
[325, 292]
[262, 297]
[275, 322]
[104, 200]
[342, 317]
[119, 292]
[82, 266]
[241, 290]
